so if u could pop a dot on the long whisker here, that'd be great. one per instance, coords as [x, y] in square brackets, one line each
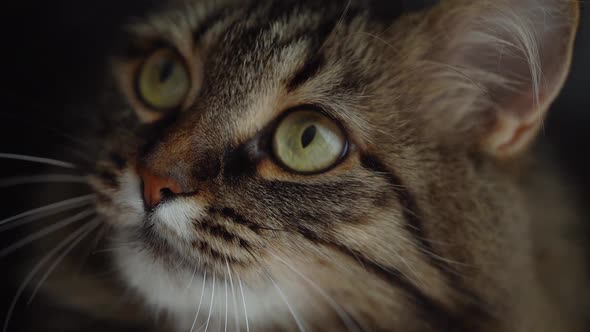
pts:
[231, 283]
[225, 325]
[41, 215]
[59, 259]
[244, 302]
[190, 282]
[82, 231]
[47, 178]
[211, 304]
[348, 321]
[38, 160]
[291, 310]
[200, 301]
[46, 231]
[90, 249]
[67, 202]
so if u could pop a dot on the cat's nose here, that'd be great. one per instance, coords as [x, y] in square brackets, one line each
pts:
[157, 188]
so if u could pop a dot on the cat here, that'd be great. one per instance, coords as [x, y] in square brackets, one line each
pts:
[333, 166]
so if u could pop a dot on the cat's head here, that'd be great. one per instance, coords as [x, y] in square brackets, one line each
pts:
[329, 164]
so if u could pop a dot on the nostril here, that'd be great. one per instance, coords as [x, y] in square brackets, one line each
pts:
[166, 193]
[157, 189]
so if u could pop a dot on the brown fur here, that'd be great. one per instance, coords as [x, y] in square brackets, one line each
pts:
[432, 222]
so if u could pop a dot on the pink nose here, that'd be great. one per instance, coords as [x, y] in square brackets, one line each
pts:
[156, 188]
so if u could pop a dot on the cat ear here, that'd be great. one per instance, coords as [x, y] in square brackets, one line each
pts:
[509, 60]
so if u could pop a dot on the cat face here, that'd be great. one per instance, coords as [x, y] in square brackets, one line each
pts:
[297, 165]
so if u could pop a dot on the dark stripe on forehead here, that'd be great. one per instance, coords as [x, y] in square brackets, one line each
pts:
[221, 14]
[311, 68]
[318, 38]
[210, 21]
[389, 10]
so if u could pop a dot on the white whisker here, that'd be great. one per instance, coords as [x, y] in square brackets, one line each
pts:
[48, 178]
[38, 160]
[244, 302]
[46, 231]
[60, 258]
[42, 215]
[348, 321]
[192, 278]
[225, 325]
[231, 283]
[67, 202]
[200, 301]
[90, 249]
[211, 304]
[83, 229]
[291, 310]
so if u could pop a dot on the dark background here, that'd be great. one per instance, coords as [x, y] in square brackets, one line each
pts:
[53, 53]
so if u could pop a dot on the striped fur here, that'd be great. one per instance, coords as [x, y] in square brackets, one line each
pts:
[419, 228]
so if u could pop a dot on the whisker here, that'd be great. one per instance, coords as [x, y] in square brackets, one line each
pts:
[182, 259]
[200, 301]
[282, 295]
[59, 259]
[67, 202]
[231, 283]
[225, 283]
[41, 215]
[46, 231]
[86, 229]
[345, 316]
[38, 160]
[89, 250]
[211, 304]
[192, 278]
[244, 302]
[48, 178]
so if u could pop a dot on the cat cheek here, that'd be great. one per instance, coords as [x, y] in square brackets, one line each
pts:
[122, 207]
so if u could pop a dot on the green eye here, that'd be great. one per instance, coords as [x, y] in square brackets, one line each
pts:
[309, 142]
[163, 80]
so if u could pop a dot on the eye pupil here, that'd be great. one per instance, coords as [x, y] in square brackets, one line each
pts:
[166, 71]
[308, 136]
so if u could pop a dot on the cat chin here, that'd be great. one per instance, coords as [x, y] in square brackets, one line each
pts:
[182, 293]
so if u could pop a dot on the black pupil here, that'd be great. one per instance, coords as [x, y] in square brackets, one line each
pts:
[308, 136]
[166, 70]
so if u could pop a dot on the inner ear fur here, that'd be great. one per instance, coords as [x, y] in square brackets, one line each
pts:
[502, 64]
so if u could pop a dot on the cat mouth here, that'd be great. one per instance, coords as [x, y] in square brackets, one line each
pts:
[160, 247]
[182, 229]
